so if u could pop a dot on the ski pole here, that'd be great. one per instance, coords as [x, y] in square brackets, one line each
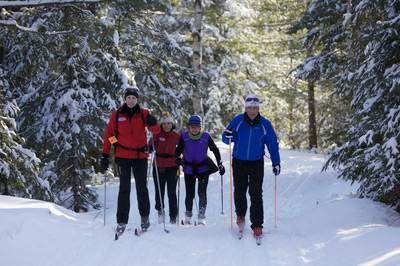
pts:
[105, 195]
[178, 175]
[222, 197]
[230, 175]
[197, 206]
[275, 202]
[158, 179]
[148, 171]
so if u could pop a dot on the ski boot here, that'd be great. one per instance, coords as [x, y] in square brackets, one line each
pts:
[240, 221]
[201, 219]
[257, 232]
[120, 230]
[188, 218]
[145, 224]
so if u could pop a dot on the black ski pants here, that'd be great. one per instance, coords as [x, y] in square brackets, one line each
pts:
[167, 176]
[190, 185]
[139, 169]
[249, 174]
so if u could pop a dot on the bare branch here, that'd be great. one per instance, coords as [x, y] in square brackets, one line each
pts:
[44, 2]
[13, 23]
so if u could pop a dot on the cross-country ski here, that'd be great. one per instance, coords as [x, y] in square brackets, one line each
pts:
[139, 232]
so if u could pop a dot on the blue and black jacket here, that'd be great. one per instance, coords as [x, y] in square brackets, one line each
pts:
[250, 136]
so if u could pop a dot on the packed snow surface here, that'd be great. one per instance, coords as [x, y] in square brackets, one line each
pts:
[320, 221]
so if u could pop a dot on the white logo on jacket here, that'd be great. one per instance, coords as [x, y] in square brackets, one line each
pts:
[121, 118]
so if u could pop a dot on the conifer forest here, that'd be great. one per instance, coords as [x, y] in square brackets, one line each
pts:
[327, 73]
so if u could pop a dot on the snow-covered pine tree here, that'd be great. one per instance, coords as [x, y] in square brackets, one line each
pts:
[247, 51]
[19, 167]
[359, 44]
[66, 80]
[152, 57]
[371, 154]
[323, 20]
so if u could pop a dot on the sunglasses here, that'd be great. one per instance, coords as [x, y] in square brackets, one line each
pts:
[252, 99]
[132, 90]
[164, 115]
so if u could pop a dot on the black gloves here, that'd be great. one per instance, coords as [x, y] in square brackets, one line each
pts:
[178, 161]
[276, 169]
[151, 120]
[228, 133]
[221, 168]
[104, 162]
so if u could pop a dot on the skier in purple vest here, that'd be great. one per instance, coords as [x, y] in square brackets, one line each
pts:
[194, 143]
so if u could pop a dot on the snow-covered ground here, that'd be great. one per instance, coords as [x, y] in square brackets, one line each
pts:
[319, 222]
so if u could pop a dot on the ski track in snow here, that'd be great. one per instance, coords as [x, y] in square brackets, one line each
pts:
[320, 221]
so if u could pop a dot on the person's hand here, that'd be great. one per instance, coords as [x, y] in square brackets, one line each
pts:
[276, 169]
[178, 161]
[228, 133]
[151, 120]
[104, 162]
[221, 168]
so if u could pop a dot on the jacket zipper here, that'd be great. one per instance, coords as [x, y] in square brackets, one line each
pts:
[248, 146]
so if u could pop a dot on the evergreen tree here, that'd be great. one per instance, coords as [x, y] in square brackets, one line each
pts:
[151, 57]
[359, 51]
[19, 167]
[65, 79]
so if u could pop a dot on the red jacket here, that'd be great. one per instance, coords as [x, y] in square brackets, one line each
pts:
[165, 144]
[131, 134]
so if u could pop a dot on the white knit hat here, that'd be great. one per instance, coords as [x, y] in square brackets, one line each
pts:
[252, 100]
[166, 118]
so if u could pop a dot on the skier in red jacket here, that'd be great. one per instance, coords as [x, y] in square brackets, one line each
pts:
[126, 132]
[165, 144]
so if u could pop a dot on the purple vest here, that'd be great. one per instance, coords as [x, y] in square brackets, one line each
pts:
[195, 151]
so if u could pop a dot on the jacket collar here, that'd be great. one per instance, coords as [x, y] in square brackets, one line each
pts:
[130, 111]
[256, 120]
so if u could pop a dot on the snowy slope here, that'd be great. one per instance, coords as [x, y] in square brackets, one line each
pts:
[319, 222]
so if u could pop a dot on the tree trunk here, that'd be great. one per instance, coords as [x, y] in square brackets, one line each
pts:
[197, 56]
[4, 181]
[311, 117]
[75, 179]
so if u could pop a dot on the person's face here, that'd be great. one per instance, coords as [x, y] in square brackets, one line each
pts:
[252, 111]
[194, 129]
[131, 101]
[167, 126]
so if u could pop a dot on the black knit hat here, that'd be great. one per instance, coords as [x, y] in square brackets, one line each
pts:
[132, 90]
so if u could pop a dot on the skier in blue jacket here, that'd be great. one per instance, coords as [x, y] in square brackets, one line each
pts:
[250, 132]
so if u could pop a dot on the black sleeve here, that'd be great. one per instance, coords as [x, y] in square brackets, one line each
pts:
[214, 149]
[180, 147]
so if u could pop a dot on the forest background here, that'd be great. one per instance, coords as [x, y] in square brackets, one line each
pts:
[327, 73]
